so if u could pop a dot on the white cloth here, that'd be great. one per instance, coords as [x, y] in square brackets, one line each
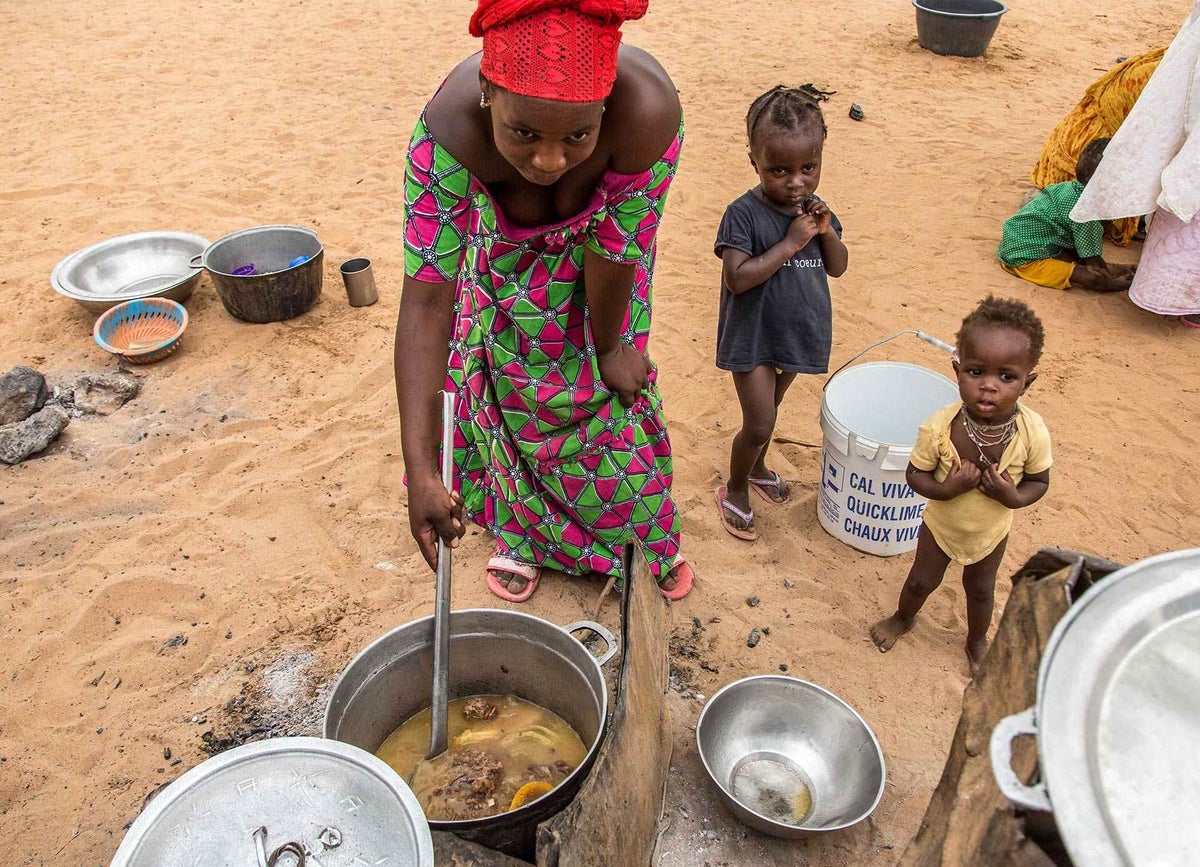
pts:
[1168, 278]
[1153, 160]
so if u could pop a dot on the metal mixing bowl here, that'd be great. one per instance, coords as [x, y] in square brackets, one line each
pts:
[764, 738]
[130, 267]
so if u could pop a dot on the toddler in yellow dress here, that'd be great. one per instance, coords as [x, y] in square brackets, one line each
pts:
[976, 461]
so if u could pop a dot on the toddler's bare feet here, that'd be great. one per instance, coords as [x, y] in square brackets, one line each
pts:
[885, 632]
[976, 651]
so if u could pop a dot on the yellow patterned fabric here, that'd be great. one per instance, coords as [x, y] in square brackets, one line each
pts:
[1098, 115]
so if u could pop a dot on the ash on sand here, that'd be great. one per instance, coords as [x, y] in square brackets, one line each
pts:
[286, 698]
[688, 648]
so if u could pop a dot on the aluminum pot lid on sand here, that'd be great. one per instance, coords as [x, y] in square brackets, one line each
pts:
[302, 800]
[1118, 719]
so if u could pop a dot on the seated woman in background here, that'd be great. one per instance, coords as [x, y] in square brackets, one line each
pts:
[1042, 244]
[1098, 115]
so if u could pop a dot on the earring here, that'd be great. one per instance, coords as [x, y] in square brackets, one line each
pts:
[484, 102]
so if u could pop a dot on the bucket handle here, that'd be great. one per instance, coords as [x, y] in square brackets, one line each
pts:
[196, 261]
[921, 335]
[1010, 728]
[610, 640]
[881, 449]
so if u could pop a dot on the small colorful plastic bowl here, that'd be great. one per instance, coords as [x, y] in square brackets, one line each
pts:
[142, 331]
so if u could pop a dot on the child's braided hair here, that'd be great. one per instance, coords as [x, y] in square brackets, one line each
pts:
[1007, 313]
[788, 108]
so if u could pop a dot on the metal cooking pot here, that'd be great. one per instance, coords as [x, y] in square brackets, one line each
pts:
[1117, 719]
[316, 800]
[491, 651]
[288, 272]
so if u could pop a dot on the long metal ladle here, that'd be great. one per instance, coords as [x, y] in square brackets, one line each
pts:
[441, 611]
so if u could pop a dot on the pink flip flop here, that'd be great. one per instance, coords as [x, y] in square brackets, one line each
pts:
[532, 574]
[1191, 320]
[685, 579]
[763, 487]
[749, 533]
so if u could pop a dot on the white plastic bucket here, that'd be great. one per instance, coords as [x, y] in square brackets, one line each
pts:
[870, 415]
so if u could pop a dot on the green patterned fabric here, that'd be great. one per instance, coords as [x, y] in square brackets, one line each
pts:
[545, 455]
[1044, 228]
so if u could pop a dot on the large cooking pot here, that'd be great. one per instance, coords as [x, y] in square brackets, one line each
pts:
[1117, 719]
[284, 282]
[491, 651]
[281, 801]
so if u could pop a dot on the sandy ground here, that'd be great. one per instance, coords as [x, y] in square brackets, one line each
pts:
[251, 500]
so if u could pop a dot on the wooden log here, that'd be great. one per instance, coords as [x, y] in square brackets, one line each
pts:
[615, 817]
[968, 820]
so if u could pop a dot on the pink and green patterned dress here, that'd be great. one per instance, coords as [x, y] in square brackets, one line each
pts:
[546, 458]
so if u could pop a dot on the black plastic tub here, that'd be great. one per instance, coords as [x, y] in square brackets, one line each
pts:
[961, 28]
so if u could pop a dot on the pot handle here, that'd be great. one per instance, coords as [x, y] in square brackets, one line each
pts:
[1010, 728]
[196, 261]
[610, 640]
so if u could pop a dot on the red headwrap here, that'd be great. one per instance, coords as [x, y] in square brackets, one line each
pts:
[554, 49]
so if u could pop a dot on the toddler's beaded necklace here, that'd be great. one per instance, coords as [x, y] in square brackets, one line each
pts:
[989, 435]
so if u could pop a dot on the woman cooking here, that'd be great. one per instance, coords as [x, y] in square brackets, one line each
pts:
[535, 181]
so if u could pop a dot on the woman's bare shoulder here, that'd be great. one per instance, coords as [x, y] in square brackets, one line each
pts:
[452, 116]
[643, 110]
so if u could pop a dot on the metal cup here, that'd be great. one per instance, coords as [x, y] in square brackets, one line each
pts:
[360, 282]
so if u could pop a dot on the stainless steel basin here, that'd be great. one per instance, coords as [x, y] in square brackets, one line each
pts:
[762, 738]
[130, 267]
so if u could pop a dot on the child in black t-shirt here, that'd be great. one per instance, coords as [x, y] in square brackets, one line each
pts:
[777, 243]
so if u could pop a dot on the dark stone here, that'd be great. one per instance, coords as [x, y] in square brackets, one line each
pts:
[752, 641]
[173, 641]
[22, 393]
[105, 392]
[752, 601]
[24, 438]
[448, 849]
